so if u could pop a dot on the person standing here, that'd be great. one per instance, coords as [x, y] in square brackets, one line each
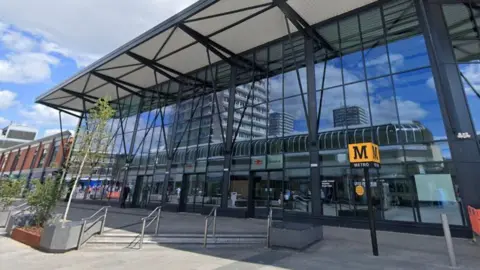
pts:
[126, 192]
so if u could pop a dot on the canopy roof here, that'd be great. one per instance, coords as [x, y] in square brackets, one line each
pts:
[177, 47]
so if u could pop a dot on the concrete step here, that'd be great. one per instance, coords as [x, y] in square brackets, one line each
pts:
[132, 239]
[3, 232]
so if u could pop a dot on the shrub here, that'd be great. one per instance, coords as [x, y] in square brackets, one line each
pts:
[43, 199]
[9, 191]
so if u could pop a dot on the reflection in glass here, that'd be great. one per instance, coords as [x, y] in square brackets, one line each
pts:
[297, 192]
[417, 101]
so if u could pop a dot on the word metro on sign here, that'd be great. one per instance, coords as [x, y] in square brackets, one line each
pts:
[364, 155]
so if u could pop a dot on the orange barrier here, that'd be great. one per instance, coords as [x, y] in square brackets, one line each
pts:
[474, 215]
[113, 195]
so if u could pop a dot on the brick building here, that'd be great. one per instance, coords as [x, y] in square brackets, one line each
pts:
[35, 159]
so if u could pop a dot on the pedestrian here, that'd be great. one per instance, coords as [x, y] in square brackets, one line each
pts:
[126, 191]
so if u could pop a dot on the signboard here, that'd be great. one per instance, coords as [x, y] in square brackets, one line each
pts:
[258, 163]
[359, 190]
[364, 155]
[275, 161]
[267, 162]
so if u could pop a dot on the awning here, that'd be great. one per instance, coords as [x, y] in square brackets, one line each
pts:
[175, 48]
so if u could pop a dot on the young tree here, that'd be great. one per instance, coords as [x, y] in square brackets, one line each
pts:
[43, 199]
[93, 141]
[9, 191]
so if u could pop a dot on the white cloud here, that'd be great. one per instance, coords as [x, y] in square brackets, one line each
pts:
[4, 121]
[28, 67]
[88, 29]
[16, 41]
[41, 115]
[7, 99]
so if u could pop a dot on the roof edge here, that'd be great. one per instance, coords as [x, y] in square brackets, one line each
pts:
[158, 29]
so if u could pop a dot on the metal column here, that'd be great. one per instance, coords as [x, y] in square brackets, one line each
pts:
[313, 129]
[460, 131]
[229, 137]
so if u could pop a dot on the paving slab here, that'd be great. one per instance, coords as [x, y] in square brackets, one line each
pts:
[342, 248]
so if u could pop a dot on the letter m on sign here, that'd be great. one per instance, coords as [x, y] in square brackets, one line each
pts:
[360, 152]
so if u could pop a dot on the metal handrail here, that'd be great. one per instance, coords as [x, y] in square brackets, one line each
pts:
[213, 213]
[158, 211]
[269, 226]
[83, 229]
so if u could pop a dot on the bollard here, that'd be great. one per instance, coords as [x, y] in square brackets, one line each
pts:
[448, 240]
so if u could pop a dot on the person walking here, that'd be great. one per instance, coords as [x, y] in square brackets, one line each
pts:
[126, 191]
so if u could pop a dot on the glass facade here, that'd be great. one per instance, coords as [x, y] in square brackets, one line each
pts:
[376, 84]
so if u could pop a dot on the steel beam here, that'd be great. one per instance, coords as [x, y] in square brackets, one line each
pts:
[84, 97]
[118, 83]
[460, 130]
[59, 108]
[229, 138]
[233, 59]
[163, 69]
[302, 25]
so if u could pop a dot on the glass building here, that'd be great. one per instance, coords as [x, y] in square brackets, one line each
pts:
[198, 95]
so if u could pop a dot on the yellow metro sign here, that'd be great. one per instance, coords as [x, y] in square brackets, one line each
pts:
[364, 155]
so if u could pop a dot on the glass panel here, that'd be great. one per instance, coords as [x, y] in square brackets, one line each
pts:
[418, 104]
[238, 195]
[330, 102]
[436, 192]
[471, 83]
[213, 189]
[356, 113]
[297, 194]
[260, 189]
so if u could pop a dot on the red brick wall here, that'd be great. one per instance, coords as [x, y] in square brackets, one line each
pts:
[10, 159]
[29, 158]
[2, 160]
[40, 150]
[21, 158]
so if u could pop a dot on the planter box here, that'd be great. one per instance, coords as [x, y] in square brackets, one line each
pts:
[62, 237]
[294, 235]
[27, 236]
[23, 220]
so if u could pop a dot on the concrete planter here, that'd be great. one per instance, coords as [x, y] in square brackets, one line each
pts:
[29, 237]
[60, 237]
[294, 235]
[4, 218]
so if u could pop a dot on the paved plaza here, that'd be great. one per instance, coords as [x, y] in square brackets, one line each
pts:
[342, 248]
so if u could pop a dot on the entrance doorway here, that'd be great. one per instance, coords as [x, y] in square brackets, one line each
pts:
[141, 193]
[192, 193]
[266, 190]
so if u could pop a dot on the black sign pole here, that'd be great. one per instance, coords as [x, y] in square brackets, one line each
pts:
[371, 215]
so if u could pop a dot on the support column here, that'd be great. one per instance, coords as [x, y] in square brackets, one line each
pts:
[313, 128]
[171, 145]
[227, 163]
[453, 102]
[130, 156]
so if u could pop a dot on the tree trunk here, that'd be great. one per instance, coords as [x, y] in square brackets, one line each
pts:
[74, 186]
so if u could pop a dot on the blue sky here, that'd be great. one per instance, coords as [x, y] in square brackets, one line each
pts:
[41, 46]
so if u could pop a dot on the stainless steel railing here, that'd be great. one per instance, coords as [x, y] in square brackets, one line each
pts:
[269, 226]
[84, 228]
[156, 217]
[212, 216]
